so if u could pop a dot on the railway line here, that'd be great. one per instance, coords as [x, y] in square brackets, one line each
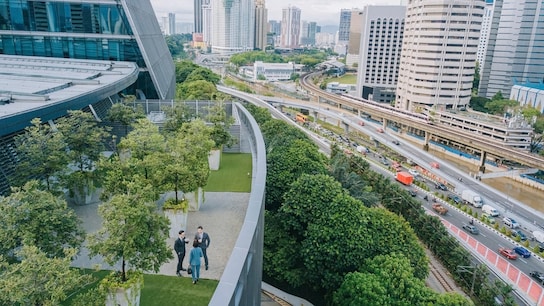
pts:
[421, 122]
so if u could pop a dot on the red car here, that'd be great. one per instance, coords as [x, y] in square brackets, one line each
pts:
[508, 253]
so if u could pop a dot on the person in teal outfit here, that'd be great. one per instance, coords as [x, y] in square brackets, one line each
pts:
[195, 260]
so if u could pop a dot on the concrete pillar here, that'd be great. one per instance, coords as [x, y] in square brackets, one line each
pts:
[315, 114]
[384, 124]
[346, 127]
[281, 108]
[427, 139]
[483, 157]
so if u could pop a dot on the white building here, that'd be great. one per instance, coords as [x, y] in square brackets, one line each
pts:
[355, 27]
[324, 39]
[207, 22]
[382, 29]
[529, 94]
[438, 57]
[273, 71]
[290, 27]
[233, 26]
[484, 34]
[515, 52]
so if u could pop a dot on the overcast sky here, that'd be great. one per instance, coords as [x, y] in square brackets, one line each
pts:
[324, 12]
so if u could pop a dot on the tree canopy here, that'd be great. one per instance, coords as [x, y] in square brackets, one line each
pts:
[36, 217]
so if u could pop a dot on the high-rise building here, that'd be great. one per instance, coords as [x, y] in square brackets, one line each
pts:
[274, 27]
[233, 26]
[355, 28]
[197, 9]
[438, 57]
[261, 24]
[343, 29]
[307, 33]
[515, 50]
[117, 30]
[207, 22]
[290, 27]
[484, 33]
[382, 29]
[171, 24]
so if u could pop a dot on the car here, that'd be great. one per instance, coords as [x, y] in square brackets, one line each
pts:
[454, 198]
[440, 186]
[385, 162]
[538, 275]
[488, 218]
[471, 229]
[435, 165]
[508, 253]
[523, 252]
[396, 142]
[519, 233]
[510, 222]
[379, 130]
[412, 192]
[413, 172]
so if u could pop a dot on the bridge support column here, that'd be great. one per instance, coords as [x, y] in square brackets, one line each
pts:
[483, 157]
[384, 124]
[346, 127]
[315, 114]
[427, 139]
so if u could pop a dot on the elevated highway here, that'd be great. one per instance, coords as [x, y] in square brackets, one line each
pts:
[407, 119]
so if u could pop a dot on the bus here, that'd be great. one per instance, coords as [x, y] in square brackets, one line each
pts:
[300, 117]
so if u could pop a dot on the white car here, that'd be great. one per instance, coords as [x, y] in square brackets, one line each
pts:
[510, 222]
[413, 172]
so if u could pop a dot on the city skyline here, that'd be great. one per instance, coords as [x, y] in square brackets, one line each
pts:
[324, 12]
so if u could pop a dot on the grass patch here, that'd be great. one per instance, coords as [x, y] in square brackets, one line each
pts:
[345, 79]
[164, 290]
[232, 175]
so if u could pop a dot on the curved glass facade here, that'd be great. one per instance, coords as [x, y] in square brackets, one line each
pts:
[91, 30]
[64, 17]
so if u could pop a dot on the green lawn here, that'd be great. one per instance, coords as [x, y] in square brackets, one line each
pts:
[167, 290]
[232, 175]
[345, 79]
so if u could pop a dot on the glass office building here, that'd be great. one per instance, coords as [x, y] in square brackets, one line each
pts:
[117, 30]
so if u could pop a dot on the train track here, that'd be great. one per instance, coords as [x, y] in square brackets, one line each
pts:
[441, 277]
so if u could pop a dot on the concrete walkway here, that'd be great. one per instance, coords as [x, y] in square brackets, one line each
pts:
[221, 215]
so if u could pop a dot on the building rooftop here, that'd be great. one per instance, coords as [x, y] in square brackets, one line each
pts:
[41, 85]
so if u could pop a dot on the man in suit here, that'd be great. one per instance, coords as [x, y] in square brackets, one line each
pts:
[179, 247]
[203, 242]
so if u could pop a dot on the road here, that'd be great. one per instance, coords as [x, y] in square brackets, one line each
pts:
[488, 236]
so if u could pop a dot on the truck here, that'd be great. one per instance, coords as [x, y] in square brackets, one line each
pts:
[405, 178]
[472, 198]
[441, 210]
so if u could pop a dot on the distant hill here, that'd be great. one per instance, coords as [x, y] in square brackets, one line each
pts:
[329, 29]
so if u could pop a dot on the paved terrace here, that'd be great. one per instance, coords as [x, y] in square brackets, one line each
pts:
[222, 215]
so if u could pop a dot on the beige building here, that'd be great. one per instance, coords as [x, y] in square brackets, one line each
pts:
[438, 57]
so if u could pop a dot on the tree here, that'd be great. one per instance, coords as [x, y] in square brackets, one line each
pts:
[35, 217]
[287, 163]
[185, 161]
[176, 116]
[499, 106]
[123, 114]
[478, 103]
[42, 154]
[539, 125]
[389, 280]
[38, 279]
[196, 90]
[132, 232]
[476, 81]
[85, 141]
[183, 69]
[221, 123]
[205, 74]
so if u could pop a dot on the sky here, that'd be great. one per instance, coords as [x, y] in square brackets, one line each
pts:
[324, 12]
